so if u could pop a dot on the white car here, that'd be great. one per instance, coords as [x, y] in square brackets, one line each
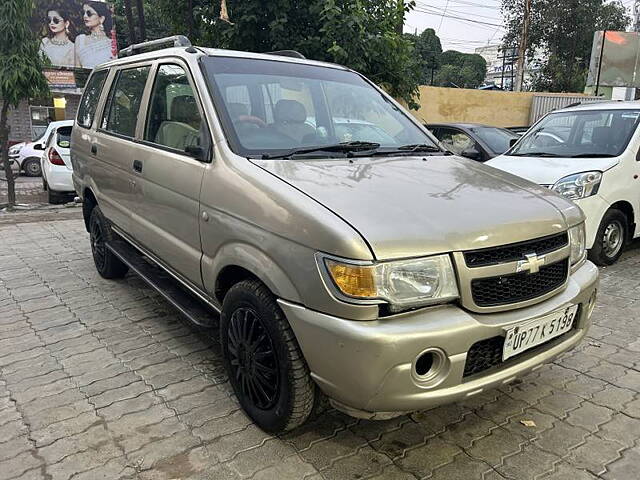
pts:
[590, 154]
[56, 166]
[27, 155]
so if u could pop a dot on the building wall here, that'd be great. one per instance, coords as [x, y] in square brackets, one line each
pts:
[448, 105]
[19, 119]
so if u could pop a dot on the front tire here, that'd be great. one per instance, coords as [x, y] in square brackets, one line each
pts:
[263, 360]
[610, 239]
[108, 265]
[32, 167]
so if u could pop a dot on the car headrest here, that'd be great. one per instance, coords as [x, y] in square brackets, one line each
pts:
[289, 111]
[236, 110]
[601, 136]
[184, 109]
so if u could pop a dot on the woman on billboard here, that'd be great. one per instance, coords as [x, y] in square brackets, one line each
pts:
[58, 44]
[94, 47]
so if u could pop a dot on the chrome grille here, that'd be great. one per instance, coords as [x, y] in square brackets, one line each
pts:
[513, 275]
[515, 251]
[518, 287]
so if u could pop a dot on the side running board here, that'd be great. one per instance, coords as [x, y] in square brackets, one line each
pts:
[185, 302]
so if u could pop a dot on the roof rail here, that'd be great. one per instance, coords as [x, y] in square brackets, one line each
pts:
[176, 41]
[287, 53]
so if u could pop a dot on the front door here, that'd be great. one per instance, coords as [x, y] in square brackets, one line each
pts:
[169, 173]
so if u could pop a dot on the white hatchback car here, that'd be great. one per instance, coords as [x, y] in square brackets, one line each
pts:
[27, 155]
[56, 165]
[590, 154]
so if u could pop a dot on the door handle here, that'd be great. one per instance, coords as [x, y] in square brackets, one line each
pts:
[137, 165]
[94, 149]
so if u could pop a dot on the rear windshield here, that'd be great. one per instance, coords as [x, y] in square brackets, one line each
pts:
[497, 139]
[64, 137]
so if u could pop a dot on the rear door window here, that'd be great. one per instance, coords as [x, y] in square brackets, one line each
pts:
[174, 120]
[121, 114]
[89, 101]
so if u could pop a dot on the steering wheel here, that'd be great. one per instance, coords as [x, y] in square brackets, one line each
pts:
[250, 119]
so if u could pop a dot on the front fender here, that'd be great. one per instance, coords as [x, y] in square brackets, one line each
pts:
[253, 260]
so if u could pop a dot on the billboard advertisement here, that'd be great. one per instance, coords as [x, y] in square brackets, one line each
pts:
[75, 33]
[615, 59]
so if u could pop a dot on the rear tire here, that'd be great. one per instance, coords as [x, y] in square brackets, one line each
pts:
[611, 238]
[265, 365]
[108, 265]
[56, 198]
[31, 167]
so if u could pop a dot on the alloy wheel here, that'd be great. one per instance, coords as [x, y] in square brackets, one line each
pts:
[98, 247]
[253, 360]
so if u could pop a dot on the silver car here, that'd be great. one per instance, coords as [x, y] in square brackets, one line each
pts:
[387, 275]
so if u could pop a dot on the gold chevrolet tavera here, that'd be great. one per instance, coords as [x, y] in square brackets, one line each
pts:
[347, 253]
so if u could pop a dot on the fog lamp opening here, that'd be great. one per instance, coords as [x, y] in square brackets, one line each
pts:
[430, 367]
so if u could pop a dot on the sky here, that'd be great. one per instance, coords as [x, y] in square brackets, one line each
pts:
[462, 25]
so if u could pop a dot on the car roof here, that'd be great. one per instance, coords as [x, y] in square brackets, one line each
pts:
[61, 123]
[612, 105]
[212, 52]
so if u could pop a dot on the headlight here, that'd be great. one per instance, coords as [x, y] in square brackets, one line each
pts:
[403, 283]
[578, 242]
[14, 150]
[580, 185]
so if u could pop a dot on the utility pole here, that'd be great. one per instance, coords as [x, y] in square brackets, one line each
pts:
[523, 46]
[400, 24]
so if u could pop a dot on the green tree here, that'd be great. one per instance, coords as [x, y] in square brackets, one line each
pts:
[428, 49]
[560, 37]
[463, 70]
[360, 34]
[21, 74]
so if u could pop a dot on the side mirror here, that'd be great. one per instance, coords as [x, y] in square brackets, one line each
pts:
[196, 152]
[512, 142]
[38, 146]
[472, 153]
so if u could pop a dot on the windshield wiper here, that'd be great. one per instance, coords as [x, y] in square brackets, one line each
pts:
[534, 154]
[412, 148]
[344, 147]
[593, 155]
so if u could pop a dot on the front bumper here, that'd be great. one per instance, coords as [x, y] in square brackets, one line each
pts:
[594, 208]
[367, 367]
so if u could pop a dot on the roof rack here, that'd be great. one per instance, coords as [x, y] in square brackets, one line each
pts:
[176, 41]
[287, 53]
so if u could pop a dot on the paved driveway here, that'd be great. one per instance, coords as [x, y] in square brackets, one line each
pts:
[102, 380]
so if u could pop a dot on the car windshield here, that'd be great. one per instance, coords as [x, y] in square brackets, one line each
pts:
[586, 133]
[269, 108]
[497, 139]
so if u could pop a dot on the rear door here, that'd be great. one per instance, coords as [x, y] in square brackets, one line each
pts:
[114, 147]
[171, 158]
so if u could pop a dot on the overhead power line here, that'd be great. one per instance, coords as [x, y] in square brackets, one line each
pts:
[459, 18]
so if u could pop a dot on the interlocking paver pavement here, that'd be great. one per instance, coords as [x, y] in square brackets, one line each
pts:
[103, 380]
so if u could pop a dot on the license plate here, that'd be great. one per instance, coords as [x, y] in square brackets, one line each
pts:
[538, 331]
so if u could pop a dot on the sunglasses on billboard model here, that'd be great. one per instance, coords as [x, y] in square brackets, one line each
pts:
[54, 20]
[88, 13]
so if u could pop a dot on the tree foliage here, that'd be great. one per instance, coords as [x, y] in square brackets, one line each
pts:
[446, 69]
[561, 37]
[428, 50]
[360, 34]
[21, 67]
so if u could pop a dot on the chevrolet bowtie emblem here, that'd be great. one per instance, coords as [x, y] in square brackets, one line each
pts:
[531, 264]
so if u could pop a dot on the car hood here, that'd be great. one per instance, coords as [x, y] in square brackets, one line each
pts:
[409, 207]
[547, 171]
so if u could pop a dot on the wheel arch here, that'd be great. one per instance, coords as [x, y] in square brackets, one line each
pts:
[89, 201]
[237, 262]
[627, 209]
